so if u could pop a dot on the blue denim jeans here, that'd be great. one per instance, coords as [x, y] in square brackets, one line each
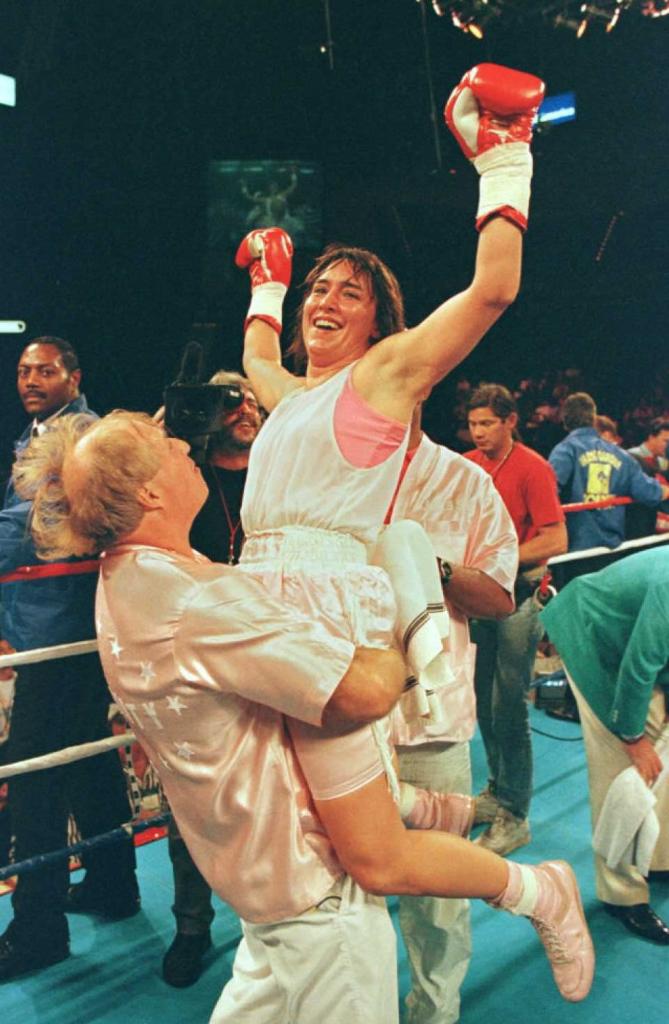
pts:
[504, 668]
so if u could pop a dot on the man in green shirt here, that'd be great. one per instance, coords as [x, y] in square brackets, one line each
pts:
[611, 629]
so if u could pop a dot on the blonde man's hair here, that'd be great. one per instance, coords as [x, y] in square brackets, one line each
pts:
[85, 513]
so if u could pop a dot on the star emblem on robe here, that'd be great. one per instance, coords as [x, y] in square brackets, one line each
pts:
[146, 671]
[149, 708]
[184, 750]
[115, 647]
[176, 704]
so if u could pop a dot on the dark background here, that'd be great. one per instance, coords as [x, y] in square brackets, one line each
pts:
[121, 105]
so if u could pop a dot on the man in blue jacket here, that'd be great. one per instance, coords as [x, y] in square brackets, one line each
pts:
[590, 469]
[611, 629]
[57, 704]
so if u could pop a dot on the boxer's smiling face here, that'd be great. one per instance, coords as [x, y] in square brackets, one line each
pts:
[339, 317]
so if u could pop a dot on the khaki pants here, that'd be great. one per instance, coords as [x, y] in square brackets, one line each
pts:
[607, 757]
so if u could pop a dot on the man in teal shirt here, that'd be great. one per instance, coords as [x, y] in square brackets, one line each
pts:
[612, 630]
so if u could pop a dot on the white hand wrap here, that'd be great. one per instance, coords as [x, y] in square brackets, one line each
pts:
[506, 173]
[267, 303]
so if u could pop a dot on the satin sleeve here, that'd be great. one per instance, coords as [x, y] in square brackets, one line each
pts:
[236, 639]
[335, 765]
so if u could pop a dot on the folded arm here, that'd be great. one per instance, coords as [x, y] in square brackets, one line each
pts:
[478, 595]
[370, 689]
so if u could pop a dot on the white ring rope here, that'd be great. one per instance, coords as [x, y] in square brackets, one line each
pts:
[67, 755]
[48, 653]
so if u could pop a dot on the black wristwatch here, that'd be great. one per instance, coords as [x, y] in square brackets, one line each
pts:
[445, 571]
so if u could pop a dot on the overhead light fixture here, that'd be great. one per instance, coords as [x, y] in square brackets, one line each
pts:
[8, 90]
[577, 16]
[606, 11]
[472, 16]
[615, 18]
[655, 8]
[466, 24]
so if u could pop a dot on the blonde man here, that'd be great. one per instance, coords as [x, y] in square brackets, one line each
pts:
[294, 834]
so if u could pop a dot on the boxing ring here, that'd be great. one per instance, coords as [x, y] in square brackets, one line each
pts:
[88, 979]
[560, 569]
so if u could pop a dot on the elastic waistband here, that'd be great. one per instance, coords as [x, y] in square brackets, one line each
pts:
[303, 547]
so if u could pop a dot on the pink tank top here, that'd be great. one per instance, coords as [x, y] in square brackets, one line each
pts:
[310, 468]
[365, 437]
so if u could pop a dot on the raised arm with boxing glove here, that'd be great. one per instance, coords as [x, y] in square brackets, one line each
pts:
[491, 113]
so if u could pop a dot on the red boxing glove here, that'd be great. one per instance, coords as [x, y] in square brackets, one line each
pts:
[268, 253]
[491, 113]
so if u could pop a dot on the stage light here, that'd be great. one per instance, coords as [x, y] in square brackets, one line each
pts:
[577, 16]
[472, 16]
[615, 18]
[655, 8]
[607, 12]
[8, 90]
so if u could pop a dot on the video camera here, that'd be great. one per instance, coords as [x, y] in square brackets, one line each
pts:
[194, 410]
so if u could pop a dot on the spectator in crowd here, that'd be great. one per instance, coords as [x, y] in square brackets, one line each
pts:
[608, 429]
[590, 469]
[652, 453]
[506, 649]
[57, 704]
[217, 533]
[612, 630]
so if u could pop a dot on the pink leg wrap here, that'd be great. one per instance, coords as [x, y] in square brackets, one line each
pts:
[446, 812]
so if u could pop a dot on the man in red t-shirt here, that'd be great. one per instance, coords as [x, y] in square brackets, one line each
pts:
[506, 649]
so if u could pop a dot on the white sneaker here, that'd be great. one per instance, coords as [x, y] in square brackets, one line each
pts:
[507, 833]
[486, 807]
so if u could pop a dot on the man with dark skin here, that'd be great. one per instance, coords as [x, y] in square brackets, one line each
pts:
[47, 381]
[57, 704]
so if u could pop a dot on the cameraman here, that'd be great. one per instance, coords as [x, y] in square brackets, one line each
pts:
[216, 533]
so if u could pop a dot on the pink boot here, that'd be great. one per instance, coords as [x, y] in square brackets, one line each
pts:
[548, 894]
[446, 812]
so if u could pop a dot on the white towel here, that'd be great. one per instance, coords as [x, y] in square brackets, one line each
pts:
[627, 828]
[405, 552]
